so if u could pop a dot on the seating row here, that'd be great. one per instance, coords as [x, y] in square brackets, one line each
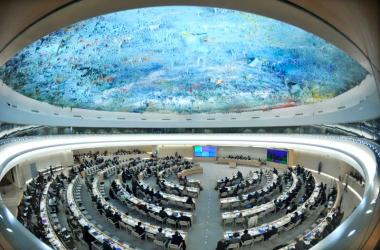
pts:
[94, 229]
[260, 210]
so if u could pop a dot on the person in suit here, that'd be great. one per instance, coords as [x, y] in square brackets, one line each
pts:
[112, 194]
[246, 236]
[300, 245]
[177, 239]
[108, 212]
[163, 214]
[87, 237]
[106, 245]
[222, 245]
[291, 208]
[189, 200]
[319, 167]
[128, 189]
[116, 218]
[235, 239]
[140, 230]
[239, 175]
[271, 231]
[223, 189]
[294, 218]
[184, 218]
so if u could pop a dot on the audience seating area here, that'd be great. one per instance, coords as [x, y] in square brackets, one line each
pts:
[159, 204]
[312, 200]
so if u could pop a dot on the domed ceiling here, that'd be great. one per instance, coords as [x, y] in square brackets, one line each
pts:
[181, 60]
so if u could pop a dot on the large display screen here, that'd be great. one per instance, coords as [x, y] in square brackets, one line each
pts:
[205, 151]
[277, 156]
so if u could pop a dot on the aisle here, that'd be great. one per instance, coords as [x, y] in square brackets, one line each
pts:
[207, 229]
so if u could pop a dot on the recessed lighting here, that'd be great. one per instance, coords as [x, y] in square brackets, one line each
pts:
[351, 233]
[9, 230]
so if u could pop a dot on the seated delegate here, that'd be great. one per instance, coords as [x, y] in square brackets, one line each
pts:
[140, 230]
[177, 239]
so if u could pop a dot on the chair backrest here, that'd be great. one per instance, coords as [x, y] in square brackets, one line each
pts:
[240, 220]
[174, 246]
[274, 236]
[184, 223]
[259, 238]
[233, 246]
[135, 233]
[159, 243]
[188, 205]
[247, 242]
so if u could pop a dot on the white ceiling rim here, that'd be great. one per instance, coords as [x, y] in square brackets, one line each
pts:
[363, 159]
[359, 103]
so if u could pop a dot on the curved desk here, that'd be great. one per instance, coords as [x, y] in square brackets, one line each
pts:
[193, 170]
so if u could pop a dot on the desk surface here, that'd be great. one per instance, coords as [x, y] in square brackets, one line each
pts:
[50, 233]
[256, 231]
[129, 220]
[83, 221]
[264, 207]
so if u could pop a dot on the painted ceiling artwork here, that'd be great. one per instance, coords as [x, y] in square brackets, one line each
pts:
[181, 60]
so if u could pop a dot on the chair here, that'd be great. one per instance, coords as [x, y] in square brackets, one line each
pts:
[193, 195]
[224, 205]
[171, 222]
[247, 243]
[95, 245]
[184, 224]
[152, 215]
[292, 225]
[164, 203]
[240, 220]
[259, 238]
[245, 203]
[179, 203]
[235, 204]
[274, 236]
[159, 243]
[233, 246]
[142, 213]
[134, 233]
[124, 226]
[110, 221]
[174, 246]
[159, 219]
[150, 236]
[189, 206]
[228, 221]
[129, 228]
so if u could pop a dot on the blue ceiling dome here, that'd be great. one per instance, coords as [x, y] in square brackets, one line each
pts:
[181, 60]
